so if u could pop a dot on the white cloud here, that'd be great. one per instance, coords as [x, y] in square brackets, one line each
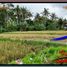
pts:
[56, 8]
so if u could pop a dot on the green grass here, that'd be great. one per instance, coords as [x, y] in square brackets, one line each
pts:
[44, 56]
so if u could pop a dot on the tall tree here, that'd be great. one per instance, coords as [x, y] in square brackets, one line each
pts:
[53, 16]
[45, 14]
[60, 23]
[37, 16]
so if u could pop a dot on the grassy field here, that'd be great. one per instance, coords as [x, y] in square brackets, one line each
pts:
[31, 44]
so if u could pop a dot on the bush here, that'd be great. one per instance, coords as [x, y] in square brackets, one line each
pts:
[39, 27]
[2, 29]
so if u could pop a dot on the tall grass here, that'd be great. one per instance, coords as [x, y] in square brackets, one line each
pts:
[20, 44]
[11, 49]
[44, 56]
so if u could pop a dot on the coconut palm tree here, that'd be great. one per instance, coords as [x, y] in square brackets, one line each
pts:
[45, 13]
[37, 16]
[53, 16]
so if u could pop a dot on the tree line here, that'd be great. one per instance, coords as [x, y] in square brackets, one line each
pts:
[19, 19]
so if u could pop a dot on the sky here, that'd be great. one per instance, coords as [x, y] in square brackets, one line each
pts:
[56, 8]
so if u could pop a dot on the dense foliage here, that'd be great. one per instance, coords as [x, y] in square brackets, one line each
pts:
[19, 19]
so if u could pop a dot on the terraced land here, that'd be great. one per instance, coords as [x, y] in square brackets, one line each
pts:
[32, 47]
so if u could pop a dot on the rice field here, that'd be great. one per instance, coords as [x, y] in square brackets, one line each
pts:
[31, 44]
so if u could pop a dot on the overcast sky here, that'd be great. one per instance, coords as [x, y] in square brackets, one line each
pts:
[56, 8]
